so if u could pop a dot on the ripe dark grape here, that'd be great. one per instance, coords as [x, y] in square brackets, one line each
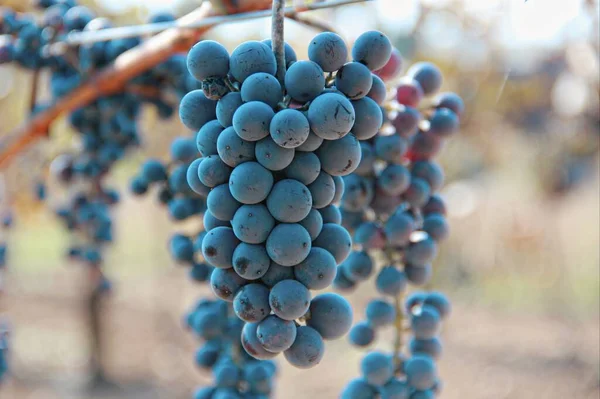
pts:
[208, 59]
[196, 109]
[250, 58]
[289, 299]
[252, 223]
[317, 271]
[336, 240]
[340, 157]
[330, 315]
[354, 80]
[262, 87]
[328, 50]
[305, 167]
[313, 223]
[320, 114]
[251, 120]
[221, 203]
[372, 49]
[272, 156]
[380, 313]
[289, 244]
[225, 283]
[251, 261]
[251, 303]
[308, 348]
[409, 93]
[289, 128]
[368, 118]
[275, 334]
[250, 183]
[362, 334]
[218, 247]
[428, 75]
[304, 81]
[226, 108]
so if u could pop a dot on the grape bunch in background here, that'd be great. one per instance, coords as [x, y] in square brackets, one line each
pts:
[107, 128]
[273, 154]
[391, 206]
[236, 374]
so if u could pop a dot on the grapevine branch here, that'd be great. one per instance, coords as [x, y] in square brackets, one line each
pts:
[112, 79]
[277, 41]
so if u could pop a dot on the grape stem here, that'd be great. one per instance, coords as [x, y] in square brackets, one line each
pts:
[399, 327]
[277, 41]
[179, 37]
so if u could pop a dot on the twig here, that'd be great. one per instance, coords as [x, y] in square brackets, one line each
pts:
[399, 327]
[35, 78]
[144, 91]
[86, 37]
[317, 24]
[277, 42]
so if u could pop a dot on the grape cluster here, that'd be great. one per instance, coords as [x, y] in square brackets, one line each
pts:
[391, 206]
[236, 374]
[273, 153]
[107, 128]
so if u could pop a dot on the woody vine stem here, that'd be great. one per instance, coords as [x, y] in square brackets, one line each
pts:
[277, 42]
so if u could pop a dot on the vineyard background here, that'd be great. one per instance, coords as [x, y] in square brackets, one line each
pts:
[522, 263]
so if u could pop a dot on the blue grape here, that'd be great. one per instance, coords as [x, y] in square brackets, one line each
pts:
[369, 235]
[359, 388]
[227, 106]
[153, 171]
[200, 272]
[436, 226]
[313, 223]
[212, 171]
[328, 50]
[196, 109]
[305, 167]
[439, 302]
[341, 282]
[395, 389]
[251, 121]
[340, 157]
[421, 251]
[390, 281]
[211, 222]
[358, 193]
[225, 283]
[435, 204]
[320, 114]
[390, 148]
[206, 139]
[206, 59]
[311, 144]
[221, 203]
[277, 273]
[369, 118]
[252, 345]
[406, 122]
[418, 192]
[289, 128]
[378, 92]
[262, 87]
[354, 80]
[340, 186]
[418, 274]
[322, 190]
[181, 248]
[331, 315]
[252, 223]
[451, 101]
[414, 299]
[428, 394]
[425, 322]
[226, 393]
[358, 266]
[275, 334]
[394, 180]
[317, 271]
[425, 145]
[288, 244]
[289, 299]
[443, 123]
[372, 49]
[377, 368]
[290, 54]
[251, 303]
[234, 150]
[307, 350]
[250, 183]
[330, 214]
[289, 201]
[251, 261]
[218, 247]
[431, 347]
[380, 313]
[227, 375]
[362, 334]
[249, 58]
[336, 240]
[139, 185]
[399, 228]
[207, 355]
[304, 81]
[428, 76]
[429, 171]
[183, 149]
[204, 393]
[272, 156]
[420, 372]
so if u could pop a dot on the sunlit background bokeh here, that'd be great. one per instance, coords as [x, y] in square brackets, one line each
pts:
[522, 264]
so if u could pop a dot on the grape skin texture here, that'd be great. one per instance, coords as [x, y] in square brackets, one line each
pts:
[304, 81]
[251, 57]
[330, 315]
[289, 299]
[328, 50]
[317, 271]
[288, 244]
[275, 334]
[372, 49]
[308, 348]
[354, 80]
[289, 201]
[322, 108]
[207, 59]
